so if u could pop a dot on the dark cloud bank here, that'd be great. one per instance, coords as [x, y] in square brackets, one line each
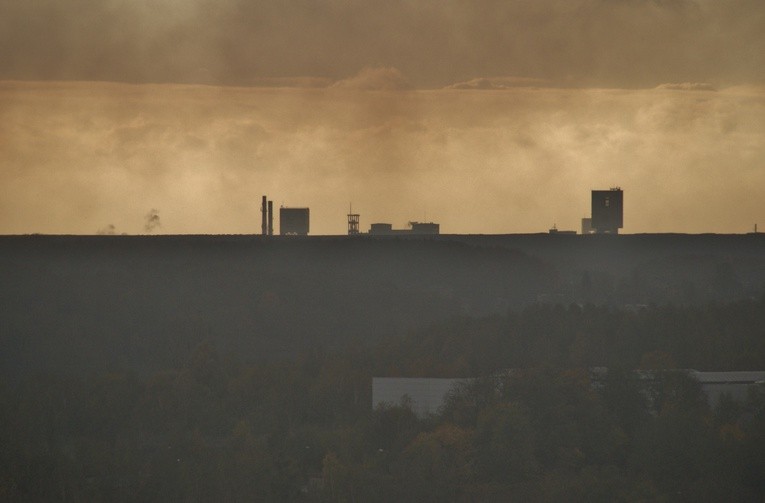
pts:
[435, 43]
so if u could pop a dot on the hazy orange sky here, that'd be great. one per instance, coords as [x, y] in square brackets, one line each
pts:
[485, 116]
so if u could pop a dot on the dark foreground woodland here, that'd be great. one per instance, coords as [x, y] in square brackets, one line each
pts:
[239, 369]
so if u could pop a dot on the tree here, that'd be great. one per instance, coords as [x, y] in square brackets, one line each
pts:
[623, 396]
[437, 466]
[505, 444]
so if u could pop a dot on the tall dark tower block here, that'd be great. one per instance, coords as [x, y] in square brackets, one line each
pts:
[607, 211]
[264, 221]
[293, 221]
[270, 218]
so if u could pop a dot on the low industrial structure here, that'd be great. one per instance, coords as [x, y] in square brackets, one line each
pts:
[554, 230]
[587, 226]
[734, 385]
[423, 395]
[427, 396]
[416, 228]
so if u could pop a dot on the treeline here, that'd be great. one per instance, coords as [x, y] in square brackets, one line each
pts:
[718, 336]
[215, 428]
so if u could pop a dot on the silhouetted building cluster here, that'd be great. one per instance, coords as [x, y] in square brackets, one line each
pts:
[384, 229]
[607, 217]
[292, 221]
[607, 212]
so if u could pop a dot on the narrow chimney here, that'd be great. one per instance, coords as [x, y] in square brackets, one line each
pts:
[264, 221]
[270, 218]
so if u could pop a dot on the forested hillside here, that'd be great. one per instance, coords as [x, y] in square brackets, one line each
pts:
[303, 428]
[239, 368]
[143, 303]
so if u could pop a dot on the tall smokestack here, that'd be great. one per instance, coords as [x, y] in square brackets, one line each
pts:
[264, 221]
[270, 218]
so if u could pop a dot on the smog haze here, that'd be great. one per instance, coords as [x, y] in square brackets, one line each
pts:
[488, 117]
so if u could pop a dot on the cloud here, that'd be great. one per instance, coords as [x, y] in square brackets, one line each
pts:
[687, 86]
[376, 79]
[297, 82]
[498, 83]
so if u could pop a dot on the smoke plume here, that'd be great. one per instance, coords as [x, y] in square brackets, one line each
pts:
[152, 221]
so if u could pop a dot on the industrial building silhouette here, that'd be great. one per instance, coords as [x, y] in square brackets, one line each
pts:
[418, 228]
[385, 229]
[607, 217]
[607, 211]
[294, 221]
